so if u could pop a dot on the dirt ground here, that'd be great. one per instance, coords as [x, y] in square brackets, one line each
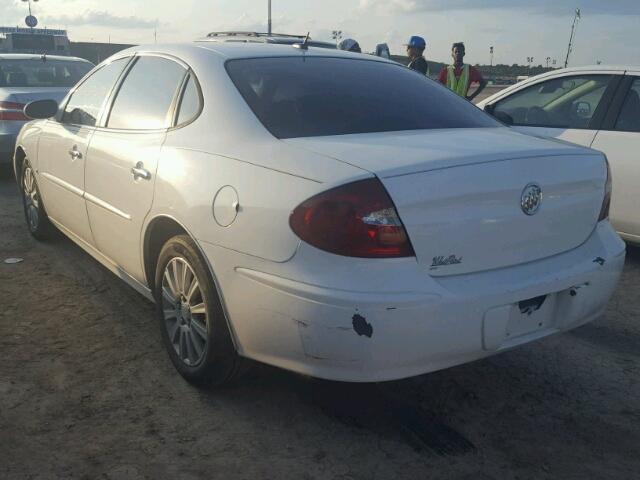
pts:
[87, 392]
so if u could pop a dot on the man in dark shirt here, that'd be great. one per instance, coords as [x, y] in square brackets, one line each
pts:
[415, 52]
[460, 76]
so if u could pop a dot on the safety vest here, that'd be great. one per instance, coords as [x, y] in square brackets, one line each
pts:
[461, 84]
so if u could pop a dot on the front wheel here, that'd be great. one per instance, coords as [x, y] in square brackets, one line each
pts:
[192, 321]
[34, 212]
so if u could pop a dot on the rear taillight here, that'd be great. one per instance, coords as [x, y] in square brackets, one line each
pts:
[354, 220]
[606, 203]
[12, 112]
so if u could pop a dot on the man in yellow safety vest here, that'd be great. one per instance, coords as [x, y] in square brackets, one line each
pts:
[460, 76]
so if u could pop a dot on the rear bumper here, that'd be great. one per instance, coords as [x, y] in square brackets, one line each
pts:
[327, 331]
[7, 147]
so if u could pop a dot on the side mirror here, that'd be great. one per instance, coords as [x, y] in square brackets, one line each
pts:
[41, 109]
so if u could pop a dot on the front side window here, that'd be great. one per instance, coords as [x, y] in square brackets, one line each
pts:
[567, 102]
[143, 101]
[42, 73]
[317, 96]
[629, 119]
[86, 103]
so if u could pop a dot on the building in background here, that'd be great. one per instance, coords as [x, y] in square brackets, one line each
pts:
[34, 40]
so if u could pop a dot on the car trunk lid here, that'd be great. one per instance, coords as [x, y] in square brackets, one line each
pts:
[470, 208]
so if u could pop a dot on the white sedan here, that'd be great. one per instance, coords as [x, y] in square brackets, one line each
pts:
[329, 213]
[598, 107]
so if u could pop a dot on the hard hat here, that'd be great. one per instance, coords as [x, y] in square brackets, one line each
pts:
[350, 45]
[417, 42]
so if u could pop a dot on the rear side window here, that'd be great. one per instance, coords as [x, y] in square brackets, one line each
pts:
[146, 95]
[190, 102]
[317, 96]
[85, 105]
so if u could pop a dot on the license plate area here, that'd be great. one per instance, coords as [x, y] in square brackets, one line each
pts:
[532, 315]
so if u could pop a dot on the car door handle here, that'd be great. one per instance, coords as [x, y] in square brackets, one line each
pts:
[140, 172]
[75, 153]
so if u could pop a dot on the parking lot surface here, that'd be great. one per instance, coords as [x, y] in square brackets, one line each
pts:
[87, 391]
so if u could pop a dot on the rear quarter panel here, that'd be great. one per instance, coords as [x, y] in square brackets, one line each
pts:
[189, 181]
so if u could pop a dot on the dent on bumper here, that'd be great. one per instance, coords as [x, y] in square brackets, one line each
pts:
[357, 336]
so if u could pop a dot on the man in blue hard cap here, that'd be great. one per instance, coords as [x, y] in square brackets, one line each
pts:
[415, 52]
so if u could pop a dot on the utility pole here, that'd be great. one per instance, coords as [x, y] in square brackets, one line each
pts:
[491, 53]
[548, 60]
[269, 18]
[576, 19]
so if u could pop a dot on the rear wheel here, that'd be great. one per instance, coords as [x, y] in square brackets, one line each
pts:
[34, 212]
[192, 321]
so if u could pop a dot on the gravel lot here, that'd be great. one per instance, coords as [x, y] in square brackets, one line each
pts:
[86, 391]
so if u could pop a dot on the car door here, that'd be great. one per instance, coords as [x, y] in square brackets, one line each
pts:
[568, 107]
[123, 156]
[62, 150]
[619, 139]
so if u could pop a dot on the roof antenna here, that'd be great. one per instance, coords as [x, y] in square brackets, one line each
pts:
[305, 44]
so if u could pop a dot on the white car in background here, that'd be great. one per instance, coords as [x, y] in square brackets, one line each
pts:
[598, 107]
[24, 78]
[275, 209]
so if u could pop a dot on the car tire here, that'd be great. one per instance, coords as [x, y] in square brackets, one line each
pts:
[191, 318]
[34, 212]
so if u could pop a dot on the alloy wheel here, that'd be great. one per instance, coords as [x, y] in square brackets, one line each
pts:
[32, 202]
[185, 312]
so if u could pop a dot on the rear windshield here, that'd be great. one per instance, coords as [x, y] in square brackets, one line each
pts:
[318, 96]
[43, 74]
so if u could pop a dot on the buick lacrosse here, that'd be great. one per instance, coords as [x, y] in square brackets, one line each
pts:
[325, 212]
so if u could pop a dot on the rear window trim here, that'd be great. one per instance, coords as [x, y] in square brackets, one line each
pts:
[324, 56]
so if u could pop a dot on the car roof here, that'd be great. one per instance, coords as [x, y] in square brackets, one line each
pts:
[597, 67]
[237, 50]
[258, 37]
[34, 56]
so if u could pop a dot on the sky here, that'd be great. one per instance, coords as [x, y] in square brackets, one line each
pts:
[607, 32]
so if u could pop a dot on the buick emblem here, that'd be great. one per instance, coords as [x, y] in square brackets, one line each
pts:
[531, 199]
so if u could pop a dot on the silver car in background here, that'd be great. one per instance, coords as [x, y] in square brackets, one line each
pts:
[25, 78]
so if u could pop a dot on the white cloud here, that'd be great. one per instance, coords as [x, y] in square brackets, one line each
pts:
[103, 19]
